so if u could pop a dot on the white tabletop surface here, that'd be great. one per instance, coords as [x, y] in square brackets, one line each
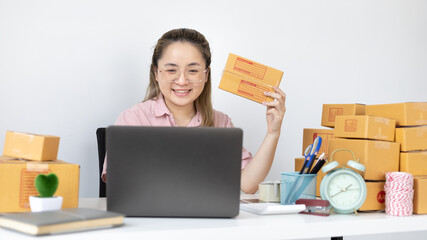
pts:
[246, 225]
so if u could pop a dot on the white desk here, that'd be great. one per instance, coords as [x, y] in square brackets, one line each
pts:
[244, 226]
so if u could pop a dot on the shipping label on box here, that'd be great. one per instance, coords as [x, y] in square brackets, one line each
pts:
[414, 163]
[365, 127]
[420, 195]
[31, 146]
[330, 111]
[412, 138]
[309, 134]
[378, 157]
[17, 182]
[375, 197]
[249, 79]
[405, 114]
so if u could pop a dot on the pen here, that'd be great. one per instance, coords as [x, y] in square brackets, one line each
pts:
[319, 164]
[316, 143]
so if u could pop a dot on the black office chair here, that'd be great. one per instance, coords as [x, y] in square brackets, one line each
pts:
[100, 137]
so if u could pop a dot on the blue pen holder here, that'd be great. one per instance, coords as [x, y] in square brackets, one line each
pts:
[295, 186]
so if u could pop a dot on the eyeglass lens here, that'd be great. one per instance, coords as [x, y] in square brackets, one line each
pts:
[191, 74]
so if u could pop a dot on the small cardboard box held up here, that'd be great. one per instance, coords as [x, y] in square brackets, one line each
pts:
[330, 111]
[378, 157]
[17, 182]
[414, 163]
[31, 146]
[249, 79]
[365, 127]
[412, 138]
[405, 114]
[310, 134]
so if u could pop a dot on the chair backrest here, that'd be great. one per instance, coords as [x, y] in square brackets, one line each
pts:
[100, 137]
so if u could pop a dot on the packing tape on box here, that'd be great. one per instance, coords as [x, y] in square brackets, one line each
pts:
[382, 145]
[28, 136]
[380, 136]
[37, 167]
[383, 120]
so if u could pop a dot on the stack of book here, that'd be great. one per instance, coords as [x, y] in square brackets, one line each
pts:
[61, 221]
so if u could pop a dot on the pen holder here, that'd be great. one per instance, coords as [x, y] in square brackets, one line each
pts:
[295, 186]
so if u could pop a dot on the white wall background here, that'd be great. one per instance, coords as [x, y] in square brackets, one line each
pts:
[68, 67]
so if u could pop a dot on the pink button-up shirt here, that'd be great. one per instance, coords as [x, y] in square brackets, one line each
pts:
[155, 113]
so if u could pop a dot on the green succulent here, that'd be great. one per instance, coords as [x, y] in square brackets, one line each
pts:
[46, 184]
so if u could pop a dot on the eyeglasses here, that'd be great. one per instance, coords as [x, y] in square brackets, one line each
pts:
[193, 74]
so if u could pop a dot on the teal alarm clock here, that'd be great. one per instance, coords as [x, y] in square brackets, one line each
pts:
[344, 188]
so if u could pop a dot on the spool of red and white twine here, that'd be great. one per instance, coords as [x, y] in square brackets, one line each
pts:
[399, 193]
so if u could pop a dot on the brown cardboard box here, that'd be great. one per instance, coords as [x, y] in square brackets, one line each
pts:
[412, 138]
[31, 146]
[298, 165]
[420, 195]
[249, 79]
[375, 197]
[17, 182]
[310, 134]
[378, 157]
[405, 114]
[414, 163]
[330, 111]
[366, 127]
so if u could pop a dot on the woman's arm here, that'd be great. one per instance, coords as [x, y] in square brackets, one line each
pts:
[257, 169]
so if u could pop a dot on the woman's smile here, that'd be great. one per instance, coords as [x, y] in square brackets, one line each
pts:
[181, 92]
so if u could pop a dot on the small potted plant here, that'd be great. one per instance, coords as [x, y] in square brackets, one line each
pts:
[46, 186]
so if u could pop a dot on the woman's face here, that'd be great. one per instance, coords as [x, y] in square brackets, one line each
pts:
[181, 74]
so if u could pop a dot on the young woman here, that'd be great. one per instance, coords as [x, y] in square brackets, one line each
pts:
[179, 94]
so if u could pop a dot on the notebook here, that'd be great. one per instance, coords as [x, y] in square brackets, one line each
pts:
[264, 208]
[174, 171]
[60, 221]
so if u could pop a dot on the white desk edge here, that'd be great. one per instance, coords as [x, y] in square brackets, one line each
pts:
[246, 225]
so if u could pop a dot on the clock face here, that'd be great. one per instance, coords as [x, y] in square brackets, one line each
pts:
[345, 190]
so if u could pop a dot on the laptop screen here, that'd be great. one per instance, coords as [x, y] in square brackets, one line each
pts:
[174, 171]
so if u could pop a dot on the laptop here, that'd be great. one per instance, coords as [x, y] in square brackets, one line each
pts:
[174, 171]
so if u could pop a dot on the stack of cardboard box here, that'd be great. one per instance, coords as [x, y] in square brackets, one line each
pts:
[328, 120]
[411, 133]
[385, 138]
[371, 139]
[26, 156]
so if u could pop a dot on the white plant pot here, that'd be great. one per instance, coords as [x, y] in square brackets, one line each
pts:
[40, 204]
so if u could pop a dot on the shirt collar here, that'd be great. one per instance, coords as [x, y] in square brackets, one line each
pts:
[160, 109]
[196, 121]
